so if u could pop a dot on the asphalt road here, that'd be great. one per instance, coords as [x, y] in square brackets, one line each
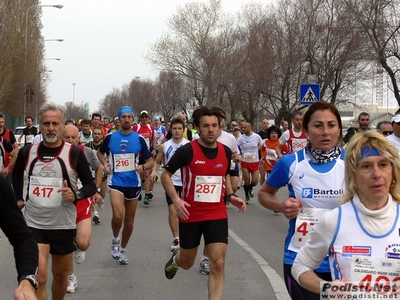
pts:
[253, 262]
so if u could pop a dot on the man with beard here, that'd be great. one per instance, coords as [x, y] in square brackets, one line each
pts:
[53, 169]
[124, 170]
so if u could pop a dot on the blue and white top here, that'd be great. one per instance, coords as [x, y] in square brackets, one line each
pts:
[124, 157]
[318, 187]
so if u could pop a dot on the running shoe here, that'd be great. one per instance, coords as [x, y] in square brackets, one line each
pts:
[171, 268]
[204, 266]
[101, 204]
[115, 250]
[72, 284]
[251, 193]
[146, 200]
[79, 256]
[96, 218]
[247, 200]
[123, 260]
[175, 244]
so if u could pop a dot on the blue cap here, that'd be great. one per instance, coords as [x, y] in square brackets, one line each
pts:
[124, 110]
[157, 118]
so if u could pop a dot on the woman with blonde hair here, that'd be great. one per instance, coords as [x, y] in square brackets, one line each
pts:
[361, 236]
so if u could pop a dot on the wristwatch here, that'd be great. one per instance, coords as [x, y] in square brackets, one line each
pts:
[98, 190]
[32, 279]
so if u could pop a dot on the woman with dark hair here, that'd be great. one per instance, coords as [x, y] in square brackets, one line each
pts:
[314, 176]
[268, 153]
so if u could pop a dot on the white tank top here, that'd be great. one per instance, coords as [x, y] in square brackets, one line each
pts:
[169, 149]
[318, 192]
[356, 254]
[45, 208]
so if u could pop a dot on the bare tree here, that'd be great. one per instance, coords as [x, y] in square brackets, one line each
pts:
[111, 103]
[286, 51]
[335, 47]
[169, 93]
[380, 21]
[11, 58]
[75, 112]
[14, 58]
[192, 48]
[140, 95]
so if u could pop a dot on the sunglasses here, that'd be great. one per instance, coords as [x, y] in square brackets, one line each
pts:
[233, 124]
[387, 132]
[143, 116]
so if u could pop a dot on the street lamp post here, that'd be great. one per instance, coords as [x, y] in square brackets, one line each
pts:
[73, 93]
[59, 6]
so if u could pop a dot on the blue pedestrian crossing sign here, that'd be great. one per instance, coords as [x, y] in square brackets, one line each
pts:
[309, 93]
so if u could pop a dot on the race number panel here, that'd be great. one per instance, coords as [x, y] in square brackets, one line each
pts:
[208, 189]
[304, 222]
[43, 191]
[124, 162]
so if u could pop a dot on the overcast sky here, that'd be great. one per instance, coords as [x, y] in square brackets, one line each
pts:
[104, 44]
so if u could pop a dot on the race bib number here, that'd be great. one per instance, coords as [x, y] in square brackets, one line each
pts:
[304, 222]
[250, 156]
[124, 162]
[43, 191]
[298, 144]
[372, 275]
[29, 138]
[208, 189]
[271, 154]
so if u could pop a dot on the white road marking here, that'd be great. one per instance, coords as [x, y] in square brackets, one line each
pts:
[276, 281]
